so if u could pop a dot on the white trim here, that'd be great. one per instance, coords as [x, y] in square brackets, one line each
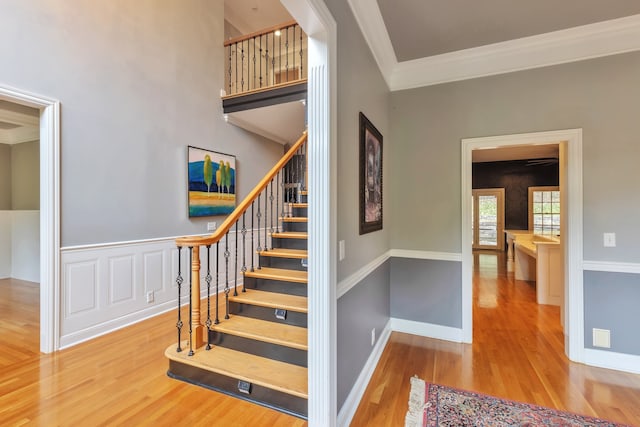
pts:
[49, 211]
[612, 360]
[352, 401]
[428, 330]
[612, 267]
[317, 22]
[574, 292]
[437, 256]
[346, 284]
[557, 47]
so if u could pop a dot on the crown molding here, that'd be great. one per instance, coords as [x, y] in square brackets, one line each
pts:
[558, 47]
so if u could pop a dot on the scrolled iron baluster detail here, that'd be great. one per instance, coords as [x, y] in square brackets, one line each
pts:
[266, 219]
[301, 55]
[179, 281]
[293, 51]
[259, 248]
[254, 62]
[252, 231]
[278, 185]
[266, 61]
[244, 251]
[286, 51]
[242, 64]
[226, 254]
[271, 209]
[191, 353]
[230, 71]
[260, 55]
[235, 269]
[217, 321]
[208, 279]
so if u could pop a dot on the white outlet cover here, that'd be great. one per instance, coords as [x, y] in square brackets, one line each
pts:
[341, 250]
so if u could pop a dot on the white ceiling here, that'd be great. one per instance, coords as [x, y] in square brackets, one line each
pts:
[516, 152]
[18, 123]
[249, 16]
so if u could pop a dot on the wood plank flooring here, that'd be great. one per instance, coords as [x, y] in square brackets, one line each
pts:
[119, 379]
[517, 353]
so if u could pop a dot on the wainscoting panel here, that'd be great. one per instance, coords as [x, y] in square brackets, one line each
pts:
[104, 287]
[121, 279]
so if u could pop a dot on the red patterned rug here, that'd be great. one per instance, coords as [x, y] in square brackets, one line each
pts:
[432, 405]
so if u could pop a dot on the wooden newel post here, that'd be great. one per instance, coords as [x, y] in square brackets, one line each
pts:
[198, 329]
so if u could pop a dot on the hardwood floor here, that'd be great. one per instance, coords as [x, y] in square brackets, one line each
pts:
[118, 379]
[517, 353]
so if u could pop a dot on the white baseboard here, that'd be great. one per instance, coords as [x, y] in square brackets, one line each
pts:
[350, 405]
[428, 330]
[612, 360]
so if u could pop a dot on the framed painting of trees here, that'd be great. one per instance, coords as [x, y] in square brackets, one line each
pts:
[211, 182]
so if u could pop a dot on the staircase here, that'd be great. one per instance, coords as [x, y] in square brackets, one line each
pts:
[256, 349]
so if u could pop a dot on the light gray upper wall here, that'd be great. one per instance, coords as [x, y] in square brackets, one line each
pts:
[601, 96]
[5, 177]
[138, 81]
[25, 176]
[360, 88]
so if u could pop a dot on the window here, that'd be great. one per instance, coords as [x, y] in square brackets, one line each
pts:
[544, 210]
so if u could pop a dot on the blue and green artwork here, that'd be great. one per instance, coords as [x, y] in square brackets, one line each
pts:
[212, 183]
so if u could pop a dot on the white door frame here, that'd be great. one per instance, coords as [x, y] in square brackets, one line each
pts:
[320, 27]
[49, 211]
[572, 235]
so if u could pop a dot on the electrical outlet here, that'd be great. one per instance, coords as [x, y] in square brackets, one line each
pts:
[373, 336]
[211, 226]
[609, 240]
[341, 250]
[601, 338]
[150, 296]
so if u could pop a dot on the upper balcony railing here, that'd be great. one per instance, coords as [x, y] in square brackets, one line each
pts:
[269, 58]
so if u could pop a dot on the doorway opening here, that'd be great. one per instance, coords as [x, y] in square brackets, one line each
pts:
[49, 217]
[570, 146]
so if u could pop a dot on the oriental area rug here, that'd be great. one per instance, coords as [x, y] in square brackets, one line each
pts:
[432, 405]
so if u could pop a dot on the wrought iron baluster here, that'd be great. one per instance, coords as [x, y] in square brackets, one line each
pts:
[208, 280]
[217, 280]
[244, 250]
[236, 49]
[191, 353]
[258, 215]
[235, 269]
[278, 184]
[266, 219]
[301, 55]
[252, 230]
[179, 281]
[254, 62]
[229, 69]
[266, 61]
[242, 64]
[273, 59]
[293, 51]
[286, 49]
[226, 274]
[260, 60]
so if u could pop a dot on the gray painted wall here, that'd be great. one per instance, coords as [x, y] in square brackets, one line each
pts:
[137, 84]
[364, 307]
[5, 177]
[611, 302]
[360, 88]
[25, 176]
[428, 291]
[601, 96]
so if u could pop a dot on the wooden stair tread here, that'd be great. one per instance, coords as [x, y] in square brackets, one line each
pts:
[263, 330]
[285, 253]
[280, 376]
[296, 276]
[294, 219]
[271, 299]
[290, 235]
[299, 205]
[304, 192]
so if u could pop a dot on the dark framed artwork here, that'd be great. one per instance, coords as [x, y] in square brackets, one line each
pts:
[370, 177]
[211, 182]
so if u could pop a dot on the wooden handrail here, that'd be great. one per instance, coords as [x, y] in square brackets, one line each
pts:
[217, 235]
[260, 33]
